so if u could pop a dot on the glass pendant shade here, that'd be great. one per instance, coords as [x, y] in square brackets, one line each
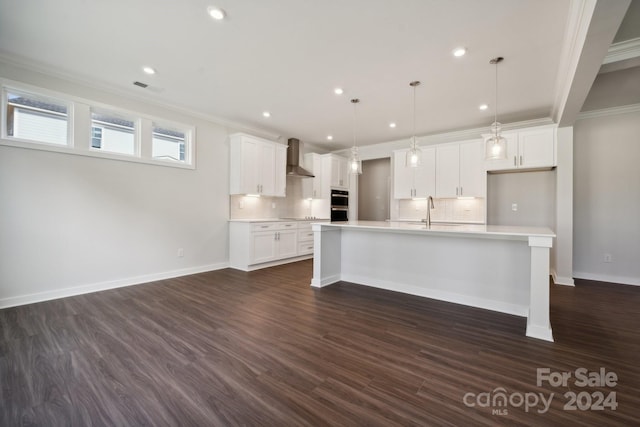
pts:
[496, 145]
[414, 154]
[355, 164]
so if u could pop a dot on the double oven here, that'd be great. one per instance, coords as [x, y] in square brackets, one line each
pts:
[339, 205]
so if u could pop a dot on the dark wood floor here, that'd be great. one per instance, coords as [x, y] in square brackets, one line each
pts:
[263, 348]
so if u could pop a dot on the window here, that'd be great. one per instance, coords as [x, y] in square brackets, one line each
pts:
[36, 118]
[40, 119]
[168, 144]
[113, 133]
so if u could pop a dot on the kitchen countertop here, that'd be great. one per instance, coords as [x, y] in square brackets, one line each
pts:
[279, 219]
[466, 229]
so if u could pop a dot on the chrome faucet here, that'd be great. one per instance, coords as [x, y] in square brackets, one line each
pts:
[430, 206]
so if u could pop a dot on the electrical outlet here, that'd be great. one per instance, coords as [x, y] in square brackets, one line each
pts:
[180, 252]
[514, 207]
[607, 258]
[273, 205]
[241, 204]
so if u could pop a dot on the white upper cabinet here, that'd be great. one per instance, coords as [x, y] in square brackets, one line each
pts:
[473, 180]
[313, 188]
[527, 149]
[460, 170]
[418, 182]
[257, 166]
[339, 172]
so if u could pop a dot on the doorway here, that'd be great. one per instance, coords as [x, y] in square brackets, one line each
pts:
[374, 186]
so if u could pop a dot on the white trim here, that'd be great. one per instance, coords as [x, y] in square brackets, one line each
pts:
[86, 81]
[625, 109]
[578, 21]
[622, 51]
[614, 280]
[271, 263]
[326, 281]
[102, 286]
[539, 332]
[560, 280]
[502, 307]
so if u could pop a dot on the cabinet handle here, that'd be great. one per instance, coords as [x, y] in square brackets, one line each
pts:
[514, 161]
[264, 226]
[309, 247]
[457, 191]
[258, 188]
[314, 194]
[520, 160]
[461, 191]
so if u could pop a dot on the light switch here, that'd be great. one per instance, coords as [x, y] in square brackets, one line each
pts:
[514, 207]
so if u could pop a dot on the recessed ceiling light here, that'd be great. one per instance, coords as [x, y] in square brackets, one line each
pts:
[216, 13]
[330, 137]
[338, 91]
[149, 70]
[459, 51]
[266, 114]
[392, 124]
[483, 107]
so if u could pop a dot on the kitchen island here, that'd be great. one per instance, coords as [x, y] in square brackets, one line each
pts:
[498, 268]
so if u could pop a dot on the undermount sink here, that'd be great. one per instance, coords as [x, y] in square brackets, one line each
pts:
[433, 224]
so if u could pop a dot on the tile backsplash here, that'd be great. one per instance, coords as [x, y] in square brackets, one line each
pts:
[291, 206]
[454, 210]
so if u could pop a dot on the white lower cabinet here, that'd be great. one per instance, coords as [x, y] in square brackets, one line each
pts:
[259, 244]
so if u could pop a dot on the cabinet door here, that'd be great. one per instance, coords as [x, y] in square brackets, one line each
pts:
[402, 177]
[339, 173]
[287, 244]
[267, 169]
[424, 179]
[447, 170]
[280, 170]
[263, 247]
[245, 166]
[312, 188]
[511, 162]
[472, 173]
[536, 148]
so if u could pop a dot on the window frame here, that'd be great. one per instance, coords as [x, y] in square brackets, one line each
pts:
[79, 128]
[37, 93]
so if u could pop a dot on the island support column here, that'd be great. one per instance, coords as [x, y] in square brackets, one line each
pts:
[538, 322]
[327, 255]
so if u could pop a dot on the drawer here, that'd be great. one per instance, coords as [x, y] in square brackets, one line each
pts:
[305, 248]
[264, 226]
[305, 235]
[287, 225]
[304, 226]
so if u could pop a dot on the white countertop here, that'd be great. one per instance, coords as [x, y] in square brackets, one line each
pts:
[279, 220]
[460, 229]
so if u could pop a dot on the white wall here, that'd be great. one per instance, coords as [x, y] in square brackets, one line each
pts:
[72, 224]
[607, 198]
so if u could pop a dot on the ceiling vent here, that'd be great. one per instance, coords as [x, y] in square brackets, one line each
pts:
[142, 85]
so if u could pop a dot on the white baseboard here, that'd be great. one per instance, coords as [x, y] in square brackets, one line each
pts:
[539, 332]
[562, 280]
[621, 280]
[102, 286]
[270, 263]
[330, 280]
[500, 306]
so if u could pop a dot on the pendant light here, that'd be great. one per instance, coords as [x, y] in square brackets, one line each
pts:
[355, 164]
[414, 155]
[496, 145]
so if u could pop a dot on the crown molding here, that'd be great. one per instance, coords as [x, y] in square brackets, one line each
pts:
[622, 51]
[77, 79]
[625, 109]
[373, 151]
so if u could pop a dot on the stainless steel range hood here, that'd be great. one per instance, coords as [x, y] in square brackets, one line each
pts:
[293, 161]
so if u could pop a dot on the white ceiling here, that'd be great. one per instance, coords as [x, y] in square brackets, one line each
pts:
[287, 56]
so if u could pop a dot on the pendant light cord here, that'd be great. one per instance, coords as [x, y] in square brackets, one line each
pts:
[495, 117]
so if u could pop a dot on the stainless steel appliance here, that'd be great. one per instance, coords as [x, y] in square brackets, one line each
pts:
[339, 205]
